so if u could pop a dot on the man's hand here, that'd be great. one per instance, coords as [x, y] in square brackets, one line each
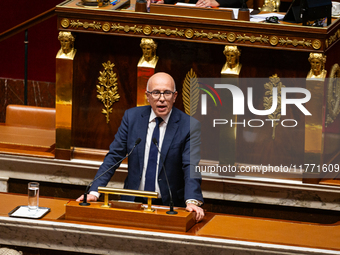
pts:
[194, 208]
[207, 3]
[89, 198]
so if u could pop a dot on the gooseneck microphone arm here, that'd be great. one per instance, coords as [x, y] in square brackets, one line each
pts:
[154, 140]
[85, 203]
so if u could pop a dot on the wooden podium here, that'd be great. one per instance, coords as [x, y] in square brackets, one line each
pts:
[158, 219]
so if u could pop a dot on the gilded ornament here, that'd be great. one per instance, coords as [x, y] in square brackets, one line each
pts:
[232, 65]
[147, 30]
[271, 6]
[190, 93]
[67, 50]
[86, 25]
[317, 62]
[210, 35]
[274, 40]
[231, 37]
[136, 29]
[149, 58]
[333, 95]
[252, 38]
[333, 38]
[126, 29]
[274, 81]
[316, 44]
[117, 27]
[107, 89]
[106, 27]
[65, 23]
[189, 33]
[168, 31]
[295, 42]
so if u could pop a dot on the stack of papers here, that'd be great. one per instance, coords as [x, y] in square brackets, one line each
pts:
[262, 17]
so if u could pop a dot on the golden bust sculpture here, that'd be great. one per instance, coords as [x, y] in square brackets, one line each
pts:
[149, 58]
[67, 45]
[317, 62]
[232, 64]
[271, 6]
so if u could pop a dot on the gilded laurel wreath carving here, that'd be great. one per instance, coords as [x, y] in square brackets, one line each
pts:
[274, 81]
[190, 33]
[252, 38]
[295, 42]
[94, 25]
[190, 93]
[107, 89]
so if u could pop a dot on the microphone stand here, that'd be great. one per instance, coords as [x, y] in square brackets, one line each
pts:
[171, 204]
[85, 203]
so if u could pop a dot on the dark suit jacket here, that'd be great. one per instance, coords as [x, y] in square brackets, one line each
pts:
[180, 152]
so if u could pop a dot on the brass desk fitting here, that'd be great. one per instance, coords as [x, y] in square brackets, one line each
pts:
[128, 192]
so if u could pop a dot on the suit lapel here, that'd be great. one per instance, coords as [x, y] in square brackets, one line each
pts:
[170, 132]
[142, 131]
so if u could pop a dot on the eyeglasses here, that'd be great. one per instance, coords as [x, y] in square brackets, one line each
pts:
[156, 94]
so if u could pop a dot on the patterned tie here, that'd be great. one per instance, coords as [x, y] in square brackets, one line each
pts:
[152, 163]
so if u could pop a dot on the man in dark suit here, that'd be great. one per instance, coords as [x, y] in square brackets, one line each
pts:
[179, 142]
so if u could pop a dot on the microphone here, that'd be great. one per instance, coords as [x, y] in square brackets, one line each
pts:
[85, 203]
[154, 140]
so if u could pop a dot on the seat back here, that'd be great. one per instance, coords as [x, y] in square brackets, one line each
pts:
[30, 116]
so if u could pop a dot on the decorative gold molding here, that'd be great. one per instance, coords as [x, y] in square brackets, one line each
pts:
[190, 33]
[271, 6]
[65, 23]
[190, 93]
[107, 88]
[316, 44]
[295, 42]
[252, 38]
[273, 40]
[126, 28]
[333, 38]
[333, 95]
[94, 25]
[168, 31]
[274, 81]
[106, 27]
[231, 37]
[210, 35]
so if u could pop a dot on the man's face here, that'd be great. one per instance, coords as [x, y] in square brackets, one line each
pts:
[161, 106]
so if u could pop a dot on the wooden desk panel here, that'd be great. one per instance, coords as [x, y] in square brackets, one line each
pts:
[221, 234]
[274, 231]
[10, 201]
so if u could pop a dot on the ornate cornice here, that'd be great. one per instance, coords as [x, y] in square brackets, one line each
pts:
[198, 34]
[333, 38]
